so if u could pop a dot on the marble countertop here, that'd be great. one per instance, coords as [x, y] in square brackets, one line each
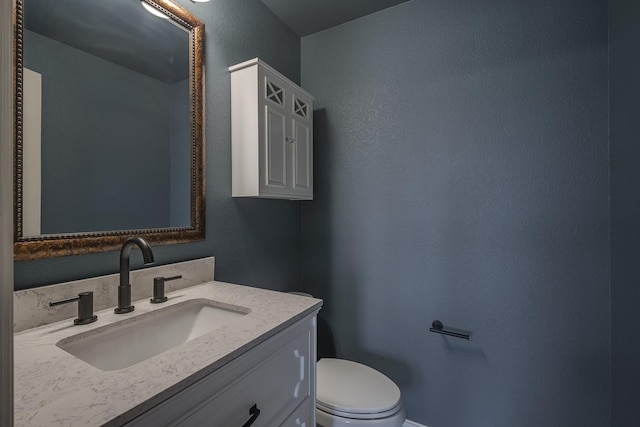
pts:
[54, 388]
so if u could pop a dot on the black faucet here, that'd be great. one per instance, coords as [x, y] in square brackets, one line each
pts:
[124, 290]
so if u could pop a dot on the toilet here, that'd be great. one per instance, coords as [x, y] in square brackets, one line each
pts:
[350, 394]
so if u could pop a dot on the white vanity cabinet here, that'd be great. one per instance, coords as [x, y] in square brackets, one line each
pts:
[271, 134]
[276, 378]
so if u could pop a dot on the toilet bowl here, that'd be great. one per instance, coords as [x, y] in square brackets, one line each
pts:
[350, 394]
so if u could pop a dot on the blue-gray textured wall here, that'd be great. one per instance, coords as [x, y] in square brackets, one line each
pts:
[180, 157]
[461, 174]
[624, 35]
[82, 169]
[254, 241]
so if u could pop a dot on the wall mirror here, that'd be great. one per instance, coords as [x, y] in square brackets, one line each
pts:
[109, 137]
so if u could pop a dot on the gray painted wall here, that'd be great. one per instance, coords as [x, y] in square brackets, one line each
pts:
[255, 242]
[118, 152]
[180, 157]
[625, 209]
[461, 174]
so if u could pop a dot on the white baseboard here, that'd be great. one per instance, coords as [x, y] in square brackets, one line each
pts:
[409, 423]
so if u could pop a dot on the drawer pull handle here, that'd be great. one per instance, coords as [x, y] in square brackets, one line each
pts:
[255, 413]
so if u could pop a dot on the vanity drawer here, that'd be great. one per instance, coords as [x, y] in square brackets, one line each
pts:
[276, 387]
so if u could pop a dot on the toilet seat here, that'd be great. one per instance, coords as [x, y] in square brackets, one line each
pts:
[359, 416]
[352, 390]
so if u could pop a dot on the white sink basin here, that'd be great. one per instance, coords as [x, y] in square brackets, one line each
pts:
[125, 343]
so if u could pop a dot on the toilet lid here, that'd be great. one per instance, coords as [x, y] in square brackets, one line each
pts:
[348, 387]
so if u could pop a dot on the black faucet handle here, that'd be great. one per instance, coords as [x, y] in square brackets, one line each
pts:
[85, 308]
[158, 289]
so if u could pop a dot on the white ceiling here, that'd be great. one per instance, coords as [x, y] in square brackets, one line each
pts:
[306, 17]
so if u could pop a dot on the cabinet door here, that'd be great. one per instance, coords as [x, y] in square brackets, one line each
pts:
[301, 167]
[273, 148]
[275, 151]
[301, 160]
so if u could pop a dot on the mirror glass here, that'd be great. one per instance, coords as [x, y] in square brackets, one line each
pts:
[109, 130]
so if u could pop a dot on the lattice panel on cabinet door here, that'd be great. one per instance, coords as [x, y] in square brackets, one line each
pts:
[275, 93]
[300, 108]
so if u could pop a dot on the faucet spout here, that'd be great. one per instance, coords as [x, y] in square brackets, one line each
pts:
[124, 289]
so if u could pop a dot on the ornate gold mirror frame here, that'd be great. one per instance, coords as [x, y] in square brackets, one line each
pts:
[55, 245]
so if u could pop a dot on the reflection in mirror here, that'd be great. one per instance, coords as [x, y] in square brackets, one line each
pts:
[111, 135]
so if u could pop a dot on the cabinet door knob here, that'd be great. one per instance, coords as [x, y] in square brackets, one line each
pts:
[290, 139]
[255, 413]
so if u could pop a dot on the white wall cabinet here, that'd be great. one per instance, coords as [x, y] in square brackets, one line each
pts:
[276, 378]
[271, 134]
